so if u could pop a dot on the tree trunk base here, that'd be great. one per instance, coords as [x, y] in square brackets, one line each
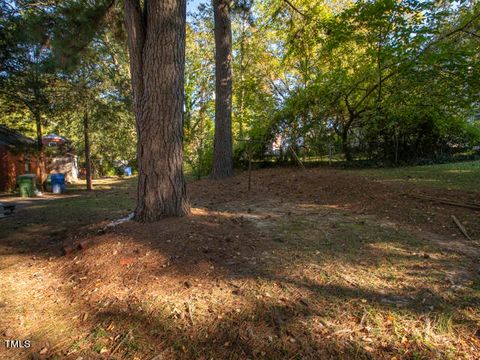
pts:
[148, 215]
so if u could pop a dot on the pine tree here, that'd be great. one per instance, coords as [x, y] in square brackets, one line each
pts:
[223, 153]
[156, 41]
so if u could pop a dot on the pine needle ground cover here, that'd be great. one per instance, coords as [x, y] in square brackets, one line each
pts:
[315, 264]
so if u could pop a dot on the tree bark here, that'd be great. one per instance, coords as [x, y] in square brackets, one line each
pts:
[88, 164]
[156, 39]
[352, 117]
[223, 153]
[38, 124]
[347, 151]
[241, 99]
[41, 157]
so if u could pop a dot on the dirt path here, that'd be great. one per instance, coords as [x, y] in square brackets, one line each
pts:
[314, 264]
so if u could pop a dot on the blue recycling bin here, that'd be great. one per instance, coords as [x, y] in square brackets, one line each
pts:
[58, 183]
[127, 171]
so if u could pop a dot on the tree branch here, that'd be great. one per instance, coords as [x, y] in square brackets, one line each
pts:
[471, 33]
[295, 8]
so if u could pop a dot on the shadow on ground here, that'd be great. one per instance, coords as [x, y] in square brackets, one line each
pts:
[306, 273]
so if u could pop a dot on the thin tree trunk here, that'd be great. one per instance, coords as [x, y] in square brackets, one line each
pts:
[41, 157]
[38, 124]
[156, 39]
[396, 146]
[223, 153]
[88, 164]
[241, 100]
[347, 151]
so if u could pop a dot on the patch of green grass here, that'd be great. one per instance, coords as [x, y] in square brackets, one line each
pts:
[444, 322]
[76, 346]
[97, 347]
[132, 345]
[459, 176]
[110, 200]
[476, 284]
[99, 332]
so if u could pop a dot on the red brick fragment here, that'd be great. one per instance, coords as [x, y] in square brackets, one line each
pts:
[67, 250]
[82, 245]
[127, 261]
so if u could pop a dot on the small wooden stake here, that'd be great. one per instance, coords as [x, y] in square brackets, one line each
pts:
[297, 158]
[249, 173]
[461, 227]
[190, 312]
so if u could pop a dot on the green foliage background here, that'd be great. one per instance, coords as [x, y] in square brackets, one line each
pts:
[384, 80]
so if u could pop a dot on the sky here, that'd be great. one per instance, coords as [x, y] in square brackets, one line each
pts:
[193, 4]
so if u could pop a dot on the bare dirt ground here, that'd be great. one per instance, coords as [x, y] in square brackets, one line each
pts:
[316, 264]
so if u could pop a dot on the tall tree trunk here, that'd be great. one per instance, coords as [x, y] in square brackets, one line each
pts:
[347, 151]
[223, 153]
[38, 125]
[241, 99]
[41, 157]
[156, 40]
[352, 117]
[88, 164]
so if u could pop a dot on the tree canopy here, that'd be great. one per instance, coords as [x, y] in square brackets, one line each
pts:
[392, 81]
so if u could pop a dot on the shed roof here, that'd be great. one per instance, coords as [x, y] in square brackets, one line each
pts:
[13, 138]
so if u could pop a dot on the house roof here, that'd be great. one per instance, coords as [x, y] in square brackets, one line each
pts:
[13, 138]
[54, 137]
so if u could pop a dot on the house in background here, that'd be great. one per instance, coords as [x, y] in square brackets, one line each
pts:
[56, 141]
[61, 157]
[18, 156]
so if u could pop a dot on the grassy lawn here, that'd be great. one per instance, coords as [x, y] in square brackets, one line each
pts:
[459, 176]
[112, 199]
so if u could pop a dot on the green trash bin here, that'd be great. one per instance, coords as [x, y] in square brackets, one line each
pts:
[27, 185]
